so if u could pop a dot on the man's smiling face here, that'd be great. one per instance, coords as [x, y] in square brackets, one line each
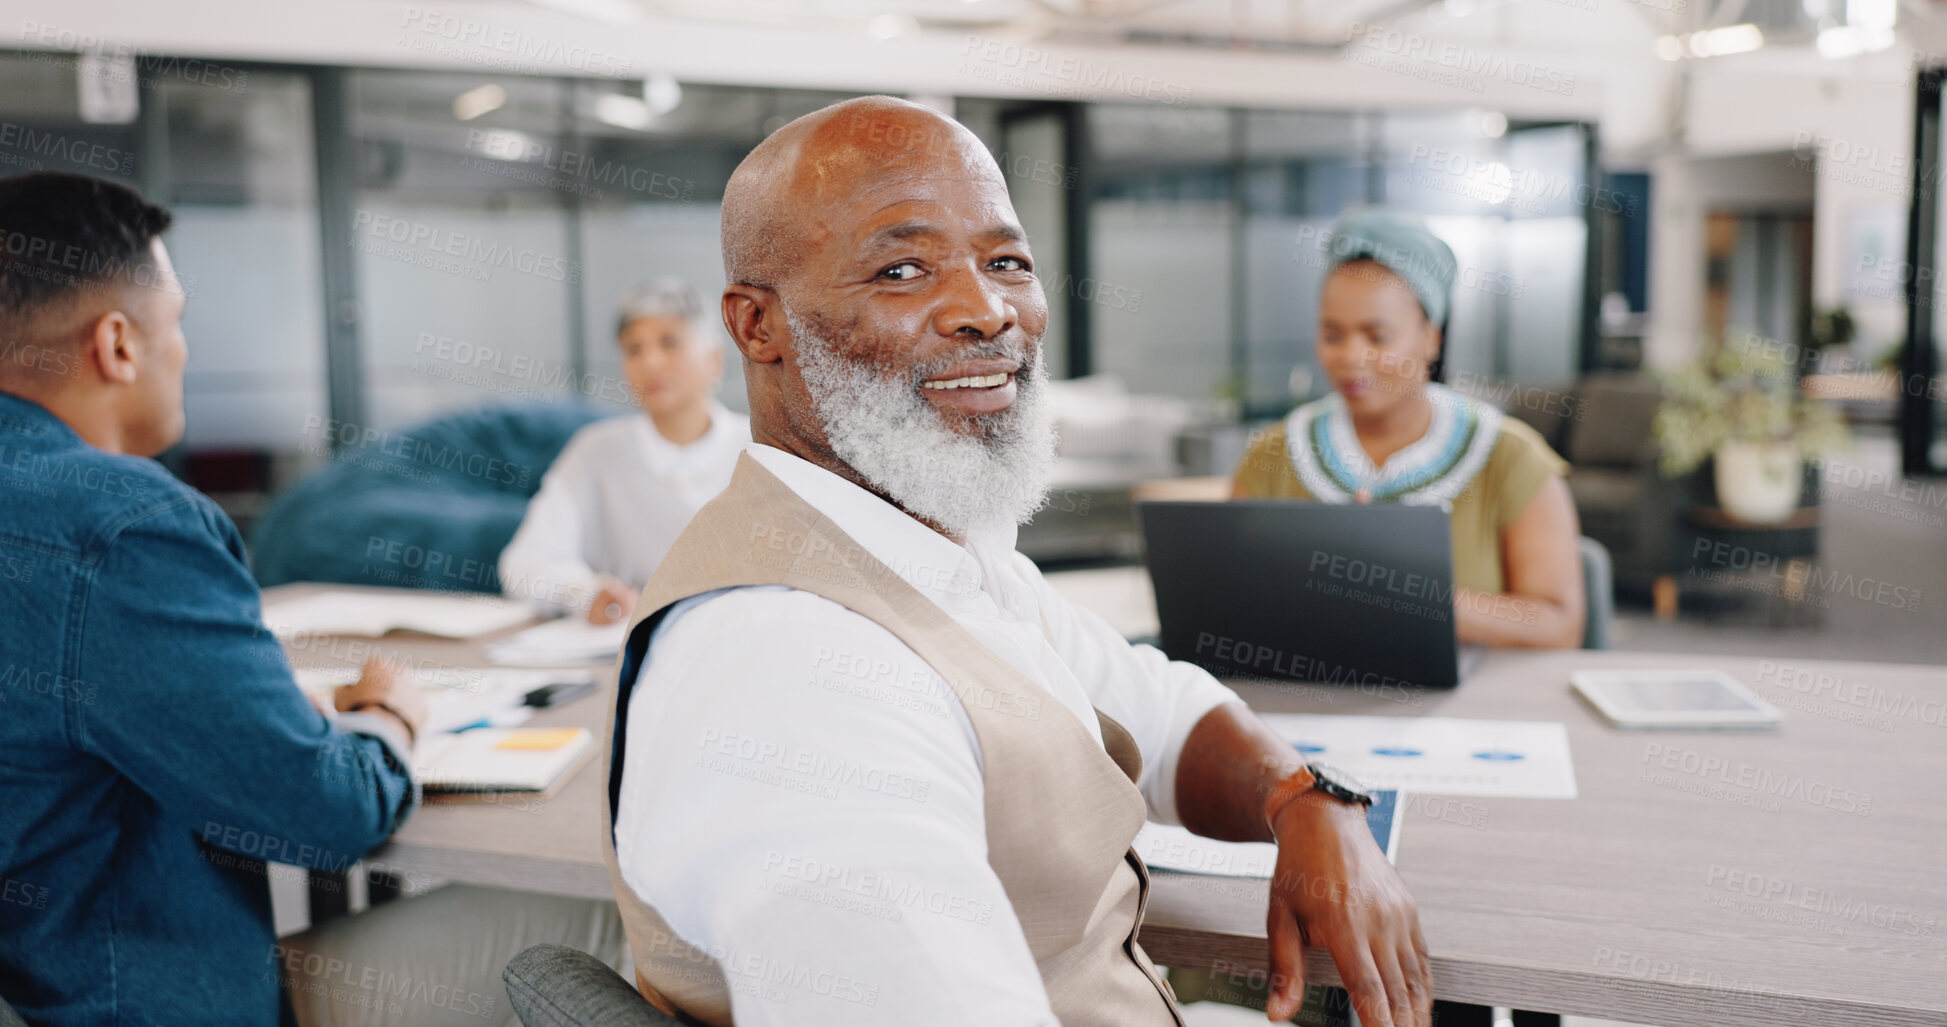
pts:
[915, 264]
[891, 314]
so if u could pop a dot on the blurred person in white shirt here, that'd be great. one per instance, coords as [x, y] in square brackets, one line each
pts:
[623, 488]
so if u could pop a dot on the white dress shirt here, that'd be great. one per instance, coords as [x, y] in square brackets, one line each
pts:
[613, 503]
[801, 792]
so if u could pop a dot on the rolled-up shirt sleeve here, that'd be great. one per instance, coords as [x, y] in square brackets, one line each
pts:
[802, 798]
[1157, 700]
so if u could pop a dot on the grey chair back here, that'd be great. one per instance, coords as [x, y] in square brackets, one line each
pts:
[556, 986]
[1599, 591]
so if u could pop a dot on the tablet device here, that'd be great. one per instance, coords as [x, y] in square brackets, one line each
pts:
[1695, 699]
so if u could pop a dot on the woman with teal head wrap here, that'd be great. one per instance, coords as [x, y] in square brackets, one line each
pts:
[1391, 433]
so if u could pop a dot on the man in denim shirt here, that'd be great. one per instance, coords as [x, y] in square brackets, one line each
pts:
[154, 750]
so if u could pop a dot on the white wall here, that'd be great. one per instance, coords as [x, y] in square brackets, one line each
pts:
[1771, 129]
[431, 336]
[254, 324]
[1173, 259]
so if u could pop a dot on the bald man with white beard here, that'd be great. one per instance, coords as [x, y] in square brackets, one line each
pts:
[868, 768]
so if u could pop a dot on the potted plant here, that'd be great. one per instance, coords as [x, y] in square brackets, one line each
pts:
[1740, 404]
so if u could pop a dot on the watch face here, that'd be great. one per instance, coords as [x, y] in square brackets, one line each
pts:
[1337, 782]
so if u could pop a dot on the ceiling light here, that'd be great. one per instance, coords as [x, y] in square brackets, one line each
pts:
[1491, 183]
[1727, 40]
[479, 100]
[1494, 124]
[1872, 14]
[614, 12]
[623, 111]
[1711, 42]
[505, 144]
[891, 26]
[662, 92]
[1844, 41]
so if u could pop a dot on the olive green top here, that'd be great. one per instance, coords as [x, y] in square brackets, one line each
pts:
[1516, 466]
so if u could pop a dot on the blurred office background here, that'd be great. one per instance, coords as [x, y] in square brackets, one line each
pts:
[391, 213]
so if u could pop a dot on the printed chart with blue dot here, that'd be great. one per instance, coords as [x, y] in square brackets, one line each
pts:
[1439, 755]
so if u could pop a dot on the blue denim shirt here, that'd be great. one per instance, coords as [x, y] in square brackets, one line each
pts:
[154, 750]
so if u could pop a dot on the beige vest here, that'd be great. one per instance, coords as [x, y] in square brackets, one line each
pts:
[1060, 810]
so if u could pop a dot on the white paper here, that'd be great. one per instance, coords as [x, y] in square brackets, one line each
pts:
[457, 697]
[375, 613]
[1163, 847]
[1521, 759]
[570, 639]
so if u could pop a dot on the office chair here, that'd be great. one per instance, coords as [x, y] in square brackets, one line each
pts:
[556, 986]
[1599, 591]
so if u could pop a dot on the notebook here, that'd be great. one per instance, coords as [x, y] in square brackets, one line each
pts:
[527, 760]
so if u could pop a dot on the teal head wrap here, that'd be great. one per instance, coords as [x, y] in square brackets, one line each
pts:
[1405, 246]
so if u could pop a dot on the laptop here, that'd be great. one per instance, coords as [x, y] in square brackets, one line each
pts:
[1360, 596]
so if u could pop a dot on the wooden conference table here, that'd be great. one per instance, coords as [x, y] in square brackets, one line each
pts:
[1796, 877]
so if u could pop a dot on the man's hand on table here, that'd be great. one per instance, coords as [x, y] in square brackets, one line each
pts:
[613, 601]
[387, 688]
[1334, 888]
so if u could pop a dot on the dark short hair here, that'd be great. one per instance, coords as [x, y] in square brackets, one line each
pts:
[62, 233]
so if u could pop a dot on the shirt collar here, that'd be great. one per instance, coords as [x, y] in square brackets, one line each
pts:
[924, 558]
[37, 418]
[660, 448]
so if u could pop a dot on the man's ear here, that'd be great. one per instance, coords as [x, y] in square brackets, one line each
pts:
[109, 345]
[746, 310]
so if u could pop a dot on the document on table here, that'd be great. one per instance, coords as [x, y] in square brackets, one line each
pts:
[570, 639]
[458, 697]
[1163, 847]
[1516, 759]
[375, 613]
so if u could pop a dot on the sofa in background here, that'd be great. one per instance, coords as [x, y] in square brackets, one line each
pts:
[430, 506]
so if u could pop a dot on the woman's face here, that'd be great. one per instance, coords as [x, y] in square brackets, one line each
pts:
[1374, 340]
[668, 367]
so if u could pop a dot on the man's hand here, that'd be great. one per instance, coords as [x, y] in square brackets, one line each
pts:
[1333, 887]
[387, 688]
[613, 601]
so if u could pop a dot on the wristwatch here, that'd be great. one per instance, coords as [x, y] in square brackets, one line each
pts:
[1314, 777]
[1338, 784]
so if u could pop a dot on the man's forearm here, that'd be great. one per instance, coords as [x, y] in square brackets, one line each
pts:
[1332, 887]
[1226, 772]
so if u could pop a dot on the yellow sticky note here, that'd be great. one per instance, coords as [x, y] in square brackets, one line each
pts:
[539, 738]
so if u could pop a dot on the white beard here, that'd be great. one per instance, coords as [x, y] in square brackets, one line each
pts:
[894, 438]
